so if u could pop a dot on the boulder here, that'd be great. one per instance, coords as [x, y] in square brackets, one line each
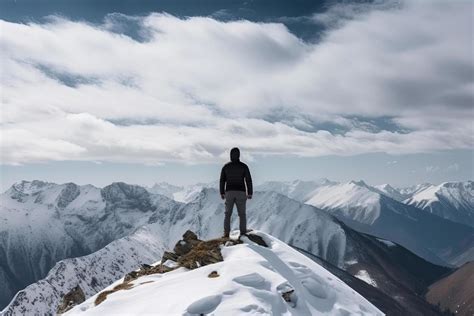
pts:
[167, 255]
[189, 235]
[182, 247]
[257, 239]
[72, 298]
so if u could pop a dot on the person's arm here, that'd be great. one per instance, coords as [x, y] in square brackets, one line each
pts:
[248, 181]
[222, 182]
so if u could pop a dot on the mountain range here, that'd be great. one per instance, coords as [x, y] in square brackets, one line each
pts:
[91, 236]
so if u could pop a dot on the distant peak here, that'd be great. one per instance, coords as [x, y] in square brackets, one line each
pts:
[359, 183]
[29, 187]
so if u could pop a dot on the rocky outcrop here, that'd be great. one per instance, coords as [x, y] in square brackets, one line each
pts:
[190, 252]
[126, 196]
[68, 194]
[74, 297]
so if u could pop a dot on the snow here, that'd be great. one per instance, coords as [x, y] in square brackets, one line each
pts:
[364, 276]
[390, 191]
[251, 280]
[387, 242]
[309, 228]
[354, 200]
[43, 223]
[297, 189]
[450, 200]
[183, 194]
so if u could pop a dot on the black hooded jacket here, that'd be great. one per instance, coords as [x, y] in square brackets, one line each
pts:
[234, 173]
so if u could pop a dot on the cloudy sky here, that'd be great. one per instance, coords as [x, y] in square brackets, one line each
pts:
[145, 92]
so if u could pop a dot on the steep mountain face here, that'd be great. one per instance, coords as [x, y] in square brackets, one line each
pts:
[455, 291]
[450, 200]
[368, 210]
[390, 191]
[298, 224]
[165, 189]
[395, 271]
[92, 273]
[182, 194]
[297, 189]
[376, 283]
[409, 191]
[309, 228]
[273, 280]
[43, 223]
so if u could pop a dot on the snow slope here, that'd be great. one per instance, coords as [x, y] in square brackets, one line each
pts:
[368, 210]
[182, 194]
[450, 200]
[251, 280]
[298, 224]
[390, 191]
[301, 225]
[42, 223]
[355, 200]
[414, 189]
[297, 189]
[92, 273]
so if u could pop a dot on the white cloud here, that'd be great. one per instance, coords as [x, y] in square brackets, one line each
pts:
[432, 169]
[197, 87]
[453, 167]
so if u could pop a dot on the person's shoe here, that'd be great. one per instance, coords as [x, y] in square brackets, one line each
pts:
[226, 235]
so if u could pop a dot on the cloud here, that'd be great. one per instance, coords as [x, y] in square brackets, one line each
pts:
[397, 79]
[432, 169]
[453, 167]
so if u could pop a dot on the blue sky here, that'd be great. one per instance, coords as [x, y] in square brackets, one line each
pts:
[149, 91]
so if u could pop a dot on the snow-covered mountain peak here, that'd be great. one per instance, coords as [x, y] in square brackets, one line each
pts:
[390, 191]
[411, 190]
[273, 280]
[358, 183]
[355, 197]
[31, 187]
[450, 200]
[297, 189]
[183, 194]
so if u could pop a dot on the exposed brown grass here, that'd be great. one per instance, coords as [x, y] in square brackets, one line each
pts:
[204, 253]
[103, 295]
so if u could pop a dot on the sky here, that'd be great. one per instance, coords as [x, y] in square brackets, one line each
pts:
[150, 91]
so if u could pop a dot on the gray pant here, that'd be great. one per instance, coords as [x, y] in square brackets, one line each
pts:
[239, 198]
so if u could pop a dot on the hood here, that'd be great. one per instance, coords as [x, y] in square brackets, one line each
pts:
[234, 154]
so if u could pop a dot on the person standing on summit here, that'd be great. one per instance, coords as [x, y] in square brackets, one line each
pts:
[235, 176]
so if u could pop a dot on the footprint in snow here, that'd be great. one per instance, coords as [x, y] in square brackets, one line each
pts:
[315, 287]
[204, 305]
[253, 308]
[300, 269]
[254, 280]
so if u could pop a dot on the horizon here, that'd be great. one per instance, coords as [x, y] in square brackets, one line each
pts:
[146, 91]
[333, 182]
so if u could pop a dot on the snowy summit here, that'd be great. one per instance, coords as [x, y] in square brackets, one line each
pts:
[251, 278]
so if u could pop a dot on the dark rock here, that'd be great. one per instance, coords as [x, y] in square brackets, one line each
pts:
[182, 247]
[213, 274]
[257, 239]
[126, 196]
[167, 255]
[204, 253]
[288, 293]
[131, 276]
[189, 235]
[68, 194]
[72, 298]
